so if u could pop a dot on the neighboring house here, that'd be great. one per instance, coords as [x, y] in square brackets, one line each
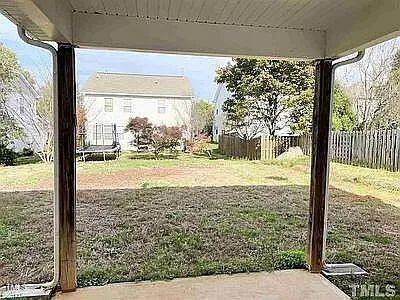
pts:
[220, 97]
[113, 98]
[21, 105]
[219, 123]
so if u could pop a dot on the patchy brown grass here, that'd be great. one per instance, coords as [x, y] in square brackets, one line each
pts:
[167, 232]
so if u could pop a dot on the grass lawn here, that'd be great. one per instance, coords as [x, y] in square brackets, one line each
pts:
[141, 219]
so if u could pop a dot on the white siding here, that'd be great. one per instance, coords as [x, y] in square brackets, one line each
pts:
[168, 111]
[219, 117]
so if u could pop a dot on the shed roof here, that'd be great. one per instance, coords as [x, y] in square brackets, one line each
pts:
[138, 84]
[273, 28]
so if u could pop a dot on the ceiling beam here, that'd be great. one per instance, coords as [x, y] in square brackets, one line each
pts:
[122, 32]
[378, 22]
[43, 19]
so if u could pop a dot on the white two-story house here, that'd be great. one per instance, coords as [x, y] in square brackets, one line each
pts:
[113, 98]
[221, 95]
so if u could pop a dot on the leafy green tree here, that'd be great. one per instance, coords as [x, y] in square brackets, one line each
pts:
[9, 72]
[9, 130]
[260, 90]
[301, 113]
[343, 117]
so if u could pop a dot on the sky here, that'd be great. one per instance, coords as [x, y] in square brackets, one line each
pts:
[199, 69]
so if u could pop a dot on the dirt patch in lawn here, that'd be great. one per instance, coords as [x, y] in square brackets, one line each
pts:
[132, 178]
[161, 233]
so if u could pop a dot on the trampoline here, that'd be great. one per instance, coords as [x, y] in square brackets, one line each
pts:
[113, 148]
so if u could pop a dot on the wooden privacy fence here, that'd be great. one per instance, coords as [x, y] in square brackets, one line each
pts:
[373, 149]
[263, 148]
[233, 146]
[378, 149]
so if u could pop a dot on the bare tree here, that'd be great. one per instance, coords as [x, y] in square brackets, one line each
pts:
[372, 92]
[36, 121]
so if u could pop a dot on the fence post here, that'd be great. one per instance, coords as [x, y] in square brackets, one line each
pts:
[262, 146]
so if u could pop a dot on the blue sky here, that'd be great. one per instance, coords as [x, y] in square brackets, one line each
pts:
[199, 69]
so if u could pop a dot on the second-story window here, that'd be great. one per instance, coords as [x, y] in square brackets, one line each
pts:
[21, 109]
[161, 106]
[127, 107]
[108, 105]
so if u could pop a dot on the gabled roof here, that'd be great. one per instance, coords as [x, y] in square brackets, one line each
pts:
[138, 84]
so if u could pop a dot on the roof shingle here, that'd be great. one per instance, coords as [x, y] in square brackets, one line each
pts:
[138, 84]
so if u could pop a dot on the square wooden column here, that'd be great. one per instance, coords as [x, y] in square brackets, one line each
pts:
[65, 143]
[320, 165]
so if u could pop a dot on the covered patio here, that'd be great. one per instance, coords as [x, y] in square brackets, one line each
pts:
[319, 30]
[289, 284]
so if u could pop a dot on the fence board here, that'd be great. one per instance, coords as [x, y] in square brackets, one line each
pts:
[373, 149]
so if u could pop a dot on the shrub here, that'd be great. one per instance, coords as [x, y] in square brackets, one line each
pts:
[292, 259]
[165, 138]
[154, 138]
[142, 131]
[7, 155]
[201, 144]
[26, 152]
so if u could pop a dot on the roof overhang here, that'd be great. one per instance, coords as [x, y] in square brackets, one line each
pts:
[304, 29]
[100, 94]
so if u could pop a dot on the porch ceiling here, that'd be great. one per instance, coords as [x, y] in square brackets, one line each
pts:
[274, 28]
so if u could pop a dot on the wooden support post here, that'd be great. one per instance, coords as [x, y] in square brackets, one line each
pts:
[66, 144]
[320, 165]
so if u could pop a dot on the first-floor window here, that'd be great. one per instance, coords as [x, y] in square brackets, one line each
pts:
[120, 133]
[103, 132]
[97, 134]
[162, 109]
[108, 132]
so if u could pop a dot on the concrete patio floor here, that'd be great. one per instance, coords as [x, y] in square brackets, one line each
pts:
[289, 284]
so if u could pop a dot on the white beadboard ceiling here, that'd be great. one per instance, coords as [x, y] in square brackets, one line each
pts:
[296, 14]
[275, 28]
